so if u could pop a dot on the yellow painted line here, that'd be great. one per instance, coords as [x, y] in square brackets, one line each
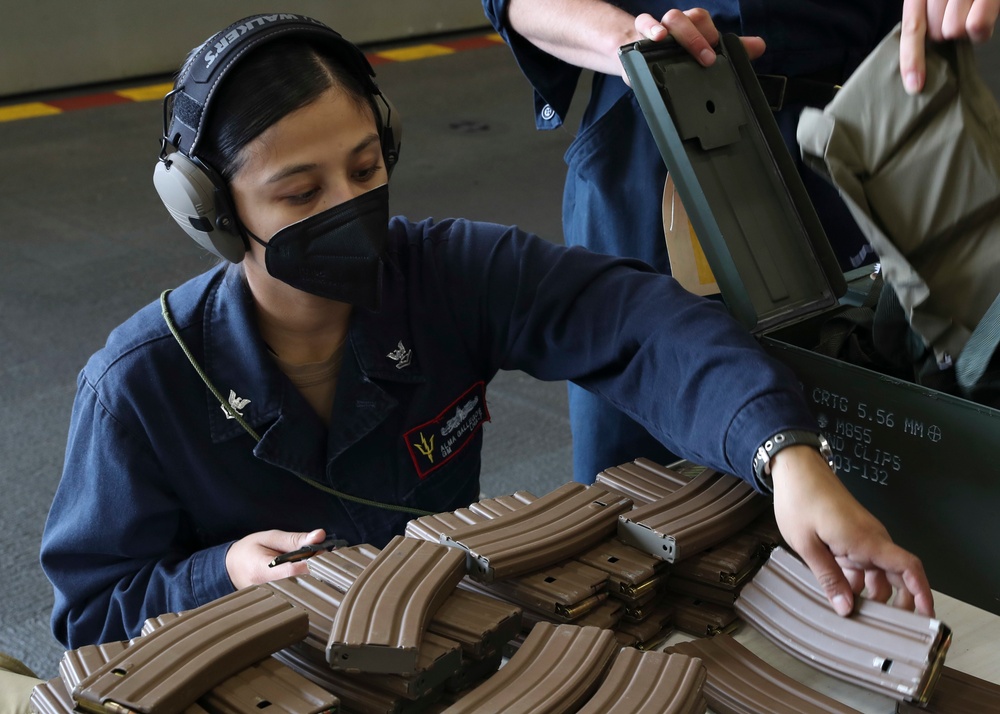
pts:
[406, 54]
[156, 92]
[27, 111]
[145, 94]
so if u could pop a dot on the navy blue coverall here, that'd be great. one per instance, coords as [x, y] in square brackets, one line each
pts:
[158, 482]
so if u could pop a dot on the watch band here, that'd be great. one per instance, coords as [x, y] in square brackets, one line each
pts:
[767, 450]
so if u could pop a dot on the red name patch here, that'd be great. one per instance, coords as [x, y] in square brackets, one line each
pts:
[435, 443]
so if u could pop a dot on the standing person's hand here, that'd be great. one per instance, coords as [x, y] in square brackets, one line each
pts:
[844, 545]
[596, 29]
[247, 559]
[940, 20]
[694, 31]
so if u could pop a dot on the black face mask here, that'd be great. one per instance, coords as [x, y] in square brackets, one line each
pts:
[336, 254]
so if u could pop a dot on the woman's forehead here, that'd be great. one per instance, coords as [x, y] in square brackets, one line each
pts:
[332, 127]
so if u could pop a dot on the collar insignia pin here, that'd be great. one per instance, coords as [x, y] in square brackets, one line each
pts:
[401, 355]
[236, 404]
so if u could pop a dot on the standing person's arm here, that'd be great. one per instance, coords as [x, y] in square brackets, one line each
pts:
[588, 33]
[940, 20]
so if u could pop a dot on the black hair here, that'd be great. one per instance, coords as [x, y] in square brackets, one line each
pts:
[269, 83]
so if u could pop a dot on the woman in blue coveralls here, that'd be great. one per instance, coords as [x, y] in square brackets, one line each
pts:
[334, 366]
[615, 175]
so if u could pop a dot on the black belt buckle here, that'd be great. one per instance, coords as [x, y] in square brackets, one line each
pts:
[780, 90]
[774, 86]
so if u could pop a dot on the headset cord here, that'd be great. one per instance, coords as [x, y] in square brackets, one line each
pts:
[232, 413]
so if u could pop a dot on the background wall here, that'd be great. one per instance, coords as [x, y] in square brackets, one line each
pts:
[47, 44]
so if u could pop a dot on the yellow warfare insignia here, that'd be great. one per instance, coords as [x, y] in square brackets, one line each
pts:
[435, 442]
[426, 448]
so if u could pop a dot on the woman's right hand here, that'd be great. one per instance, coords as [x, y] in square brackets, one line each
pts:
[247, 559]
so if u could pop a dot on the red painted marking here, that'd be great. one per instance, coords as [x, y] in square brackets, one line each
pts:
[89, 101]
[469, 43]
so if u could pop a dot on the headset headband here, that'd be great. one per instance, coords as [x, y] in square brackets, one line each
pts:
[193, 192]
[221, 52]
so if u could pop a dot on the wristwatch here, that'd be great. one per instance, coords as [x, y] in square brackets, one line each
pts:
[767, 450]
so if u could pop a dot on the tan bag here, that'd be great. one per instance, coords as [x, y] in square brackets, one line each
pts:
[921, 175]
[688, 264]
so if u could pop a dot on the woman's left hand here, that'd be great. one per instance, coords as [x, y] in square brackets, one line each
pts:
[844, 545]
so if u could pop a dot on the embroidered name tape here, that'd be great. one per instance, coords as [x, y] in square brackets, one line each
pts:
[435, 443]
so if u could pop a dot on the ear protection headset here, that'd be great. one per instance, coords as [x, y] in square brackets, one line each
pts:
[193, 192]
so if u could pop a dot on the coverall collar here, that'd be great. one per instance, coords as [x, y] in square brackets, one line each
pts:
[381, 348]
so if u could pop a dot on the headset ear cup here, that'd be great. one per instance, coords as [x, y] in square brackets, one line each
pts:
[189, 194]
[391, 128]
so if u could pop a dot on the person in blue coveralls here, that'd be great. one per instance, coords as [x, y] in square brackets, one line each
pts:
[615, 175]
[329, 377]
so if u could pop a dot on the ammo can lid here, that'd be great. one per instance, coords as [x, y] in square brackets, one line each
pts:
[739, 185]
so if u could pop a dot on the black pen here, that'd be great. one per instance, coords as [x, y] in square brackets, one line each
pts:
[307, 551]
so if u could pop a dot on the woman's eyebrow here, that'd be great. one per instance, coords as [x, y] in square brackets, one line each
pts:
[365, 143]
[300, 168]
[290, 171]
